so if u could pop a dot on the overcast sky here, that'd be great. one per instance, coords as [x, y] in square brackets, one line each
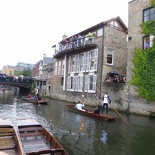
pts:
[29, 28]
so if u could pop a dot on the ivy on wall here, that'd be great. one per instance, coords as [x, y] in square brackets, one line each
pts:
[144, 64]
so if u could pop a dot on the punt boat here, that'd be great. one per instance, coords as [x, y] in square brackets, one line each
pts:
[10, 143]
[90, 113]
[37, 140]
[33, 101]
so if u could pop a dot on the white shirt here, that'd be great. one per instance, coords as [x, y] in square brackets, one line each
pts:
[36, 91]
[105, 99]
[79, 106]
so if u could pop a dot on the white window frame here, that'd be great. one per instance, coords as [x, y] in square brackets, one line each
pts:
[55, 68]
[63, 67]
[80, 83]
[100, 32]
[87, 60]
[81, 62]
[68, 83]
[95, 59]
[150, 38]
[110, 51]
[71, 82]
[87, 83]
[59, 68]
[69, 65]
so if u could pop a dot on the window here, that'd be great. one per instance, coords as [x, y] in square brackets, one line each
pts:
[81, 62]
[72, 66]
[114, 24]
[90, 83]
[55, 69]
[99, 32]
[10, 73]
[63, 67]
[69, 65]
[93, 59]
[148, 41]
[80, 83]
[62, 81]
[149, 14]
[110, 53]
[59, 68]
[71, 82]
[75, 83]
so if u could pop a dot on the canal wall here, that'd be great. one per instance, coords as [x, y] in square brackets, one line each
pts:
[124, 98]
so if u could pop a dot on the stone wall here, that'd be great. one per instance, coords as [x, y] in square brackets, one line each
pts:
[136, 103]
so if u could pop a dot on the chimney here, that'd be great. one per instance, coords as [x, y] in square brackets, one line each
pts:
[64, 36]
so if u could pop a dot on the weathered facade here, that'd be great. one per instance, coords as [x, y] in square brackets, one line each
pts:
[8, 70]
[139, 11]
[42, 73]
[82, 63]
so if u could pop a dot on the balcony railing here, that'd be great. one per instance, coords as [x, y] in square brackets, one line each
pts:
[67, 44]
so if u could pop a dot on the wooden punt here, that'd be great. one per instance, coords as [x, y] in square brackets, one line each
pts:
[91, 113]
[37, 140]
[33, 101]
[10, 143]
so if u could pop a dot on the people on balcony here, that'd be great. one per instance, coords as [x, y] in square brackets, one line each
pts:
[75, 41]
[80, 40]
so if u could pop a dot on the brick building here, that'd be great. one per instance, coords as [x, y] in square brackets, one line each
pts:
[139, 11]
[83, 60]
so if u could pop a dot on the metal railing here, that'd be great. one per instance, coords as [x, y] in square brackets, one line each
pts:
[66, 44]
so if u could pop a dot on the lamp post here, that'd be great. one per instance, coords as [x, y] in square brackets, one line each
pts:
[83, 98]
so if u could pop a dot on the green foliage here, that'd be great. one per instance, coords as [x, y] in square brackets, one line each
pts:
[153, 3]
[24, 73]
[17, 73]
[144, 77]
[144, 63]
[148, 27]
[34, 84]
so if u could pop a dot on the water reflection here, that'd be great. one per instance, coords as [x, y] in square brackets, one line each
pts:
[104, 137]
[81, 135]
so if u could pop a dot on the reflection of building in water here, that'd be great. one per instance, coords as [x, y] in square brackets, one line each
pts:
[104, 137]
[82, 126]
[78, 118]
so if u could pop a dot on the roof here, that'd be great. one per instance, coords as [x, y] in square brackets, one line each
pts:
[103, 23]
[99, 26]
[47, 60]
[131, 1]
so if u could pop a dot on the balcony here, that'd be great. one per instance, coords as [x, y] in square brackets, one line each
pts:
[67, 46]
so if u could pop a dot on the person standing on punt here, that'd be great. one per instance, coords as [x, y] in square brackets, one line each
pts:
[36, 94]
[106, 101]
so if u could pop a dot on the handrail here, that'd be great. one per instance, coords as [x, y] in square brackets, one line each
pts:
[67, 44]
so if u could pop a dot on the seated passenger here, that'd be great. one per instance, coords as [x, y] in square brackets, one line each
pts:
[39, 98]
[29, 96]
[97, 110]
[79, 106]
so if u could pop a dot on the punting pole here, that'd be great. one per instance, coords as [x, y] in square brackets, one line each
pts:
[114, 109]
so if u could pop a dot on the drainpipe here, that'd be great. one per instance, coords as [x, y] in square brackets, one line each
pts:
[64, 84]
[102, 46]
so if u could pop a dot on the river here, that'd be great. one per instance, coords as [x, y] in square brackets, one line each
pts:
[81, 135]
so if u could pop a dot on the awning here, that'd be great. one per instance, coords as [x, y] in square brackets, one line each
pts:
[112, 73]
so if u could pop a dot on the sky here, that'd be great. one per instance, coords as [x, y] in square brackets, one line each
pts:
[29, 28]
